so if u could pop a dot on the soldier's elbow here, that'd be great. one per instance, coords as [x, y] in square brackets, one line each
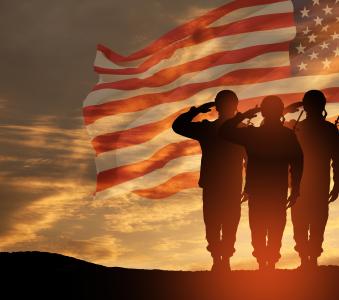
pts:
[175, 127]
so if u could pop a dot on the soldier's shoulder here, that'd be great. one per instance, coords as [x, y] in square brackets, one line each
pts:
[330, 125]
[324, 126]
[332, 129]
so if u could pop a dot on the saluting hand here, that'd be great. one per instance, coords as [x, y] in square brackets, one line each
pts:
[292, 108]
[206, 107]
[251, 113]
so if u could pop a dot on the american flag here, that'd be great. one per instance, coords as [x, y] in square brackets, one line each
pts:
[253, 47]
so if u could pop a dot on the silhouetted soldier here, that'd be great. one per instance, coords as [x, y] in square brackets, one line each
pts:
[271, 150]
[220, 176]
[320, 144]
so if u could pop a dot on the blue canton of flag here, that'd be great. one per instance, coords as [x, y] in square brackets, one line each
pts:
[315, 50]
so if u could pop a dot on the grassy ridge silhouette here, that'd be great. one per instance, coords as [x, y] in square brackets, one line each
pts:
[40, 275]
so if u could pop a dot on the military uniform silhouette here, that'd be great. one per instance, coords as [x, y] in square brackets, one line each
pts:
[320, 144]
[271, 150]
[220, 175]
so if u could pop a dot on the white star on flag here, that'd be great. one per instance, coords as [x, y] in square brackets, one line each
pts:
[301, 48]
[304, 12]
[302, 66]
[314, 55]
[325, 28]
[307, 31]
[328, 10]
[318, 20]
[326, 63]
[311, 38]
[324, 45]
[335, 36]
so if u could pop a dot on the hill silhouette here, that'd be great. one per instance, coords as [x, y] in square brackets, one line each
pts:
[40, 275]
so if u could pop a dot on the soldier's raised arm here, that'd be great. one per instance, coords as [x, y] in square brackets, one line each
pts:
[183, 124]
[229, 130]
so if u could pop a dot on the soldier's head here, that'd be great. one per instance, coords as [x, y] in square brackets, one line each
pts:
[226, 103]
[272, 108]
[314, 102]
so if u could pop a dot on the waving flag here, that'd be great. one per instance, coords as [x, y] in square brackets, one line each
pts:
[254, 47]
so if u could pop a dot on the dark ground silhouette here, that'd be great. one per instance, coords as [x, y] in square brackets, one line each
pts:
[38, 275]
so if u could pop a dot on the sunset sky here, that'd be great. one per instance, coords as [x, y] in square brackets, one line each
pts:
[47, 170]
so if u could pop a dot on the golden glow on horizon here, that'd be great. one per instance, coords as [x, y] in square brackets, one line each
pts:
[129, 232]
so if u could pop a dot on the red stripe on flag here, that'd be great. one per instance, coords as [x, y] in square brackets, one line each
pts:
[170, 187]
[132, 136]
[115, 176]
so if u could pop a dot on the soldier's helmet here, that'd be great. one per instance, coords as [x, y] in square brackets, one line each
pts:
[272, 106]
[314, 101]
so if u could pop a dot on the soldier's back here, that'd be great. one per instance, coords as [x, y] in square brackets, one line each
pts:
[318, 139]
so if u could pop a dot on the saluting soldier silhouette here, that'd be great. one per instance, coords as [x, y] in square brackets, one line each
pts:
[319, 140]
[220, 175]
[272, 150]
